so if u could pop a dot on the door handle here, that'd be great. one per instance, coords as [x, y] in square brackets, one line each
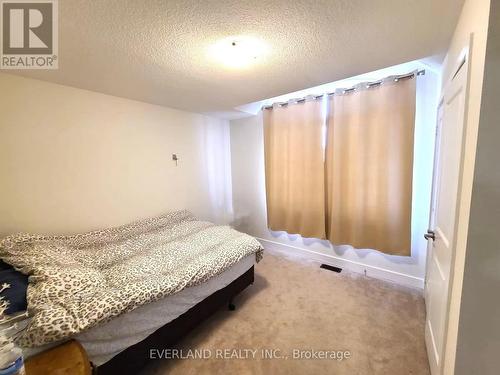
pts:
[430, 235]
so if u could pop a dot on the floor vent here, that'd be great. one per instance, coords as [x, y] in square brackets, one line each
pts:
[331, 268]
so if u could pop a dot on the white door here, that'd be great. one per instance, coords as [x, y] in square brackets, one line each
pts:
[442, 223]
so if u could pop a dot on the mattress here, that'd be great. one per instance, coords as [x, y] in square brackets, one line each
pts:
[105, 341]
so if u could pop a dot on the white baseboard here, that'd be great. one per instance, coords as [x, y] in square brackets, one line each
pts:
[371, 271]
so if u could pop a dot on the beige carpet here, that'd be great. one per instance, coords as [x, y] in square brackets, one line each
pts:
[297, 305]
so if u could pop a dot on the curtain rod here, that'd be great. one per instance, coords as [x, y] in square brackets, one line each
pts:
[344, 91]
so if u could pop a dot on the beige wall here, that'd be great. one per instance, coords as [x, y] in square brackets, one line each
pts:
[73, 160]
[473, 20]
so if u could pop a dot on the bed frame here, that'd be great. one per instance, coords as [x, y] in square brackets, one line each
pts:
[136, 357]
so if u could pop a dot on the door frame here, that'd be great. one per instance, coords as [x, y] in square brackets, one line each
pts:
[432, 210]
[463, 62]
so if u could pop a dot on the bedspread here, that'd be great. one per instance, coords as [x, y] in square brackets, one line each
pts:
[79, 281]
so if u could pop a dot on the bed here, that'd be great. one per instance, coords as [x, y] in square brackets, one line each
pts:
[119, 340]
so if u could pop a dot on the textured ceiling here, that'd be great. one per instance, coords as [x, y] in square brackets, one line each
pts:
[155, 50]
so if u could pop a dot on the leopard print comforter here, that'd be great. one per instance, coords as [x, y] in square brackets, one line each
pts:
[77, 282]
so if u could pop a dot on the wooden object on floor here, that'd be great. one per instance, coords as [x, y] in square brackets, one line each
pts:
[67, 359]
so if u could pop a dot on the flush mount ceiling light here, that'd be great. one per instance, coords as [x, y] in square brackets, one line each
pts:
[238, 52]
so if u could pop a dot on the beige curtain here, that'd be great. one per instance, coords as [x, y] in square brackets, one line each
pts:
[295, 169]
[369, 163]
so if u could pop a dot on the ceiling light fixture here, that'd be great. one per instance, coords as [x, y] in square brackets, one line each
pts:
[238, 52]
